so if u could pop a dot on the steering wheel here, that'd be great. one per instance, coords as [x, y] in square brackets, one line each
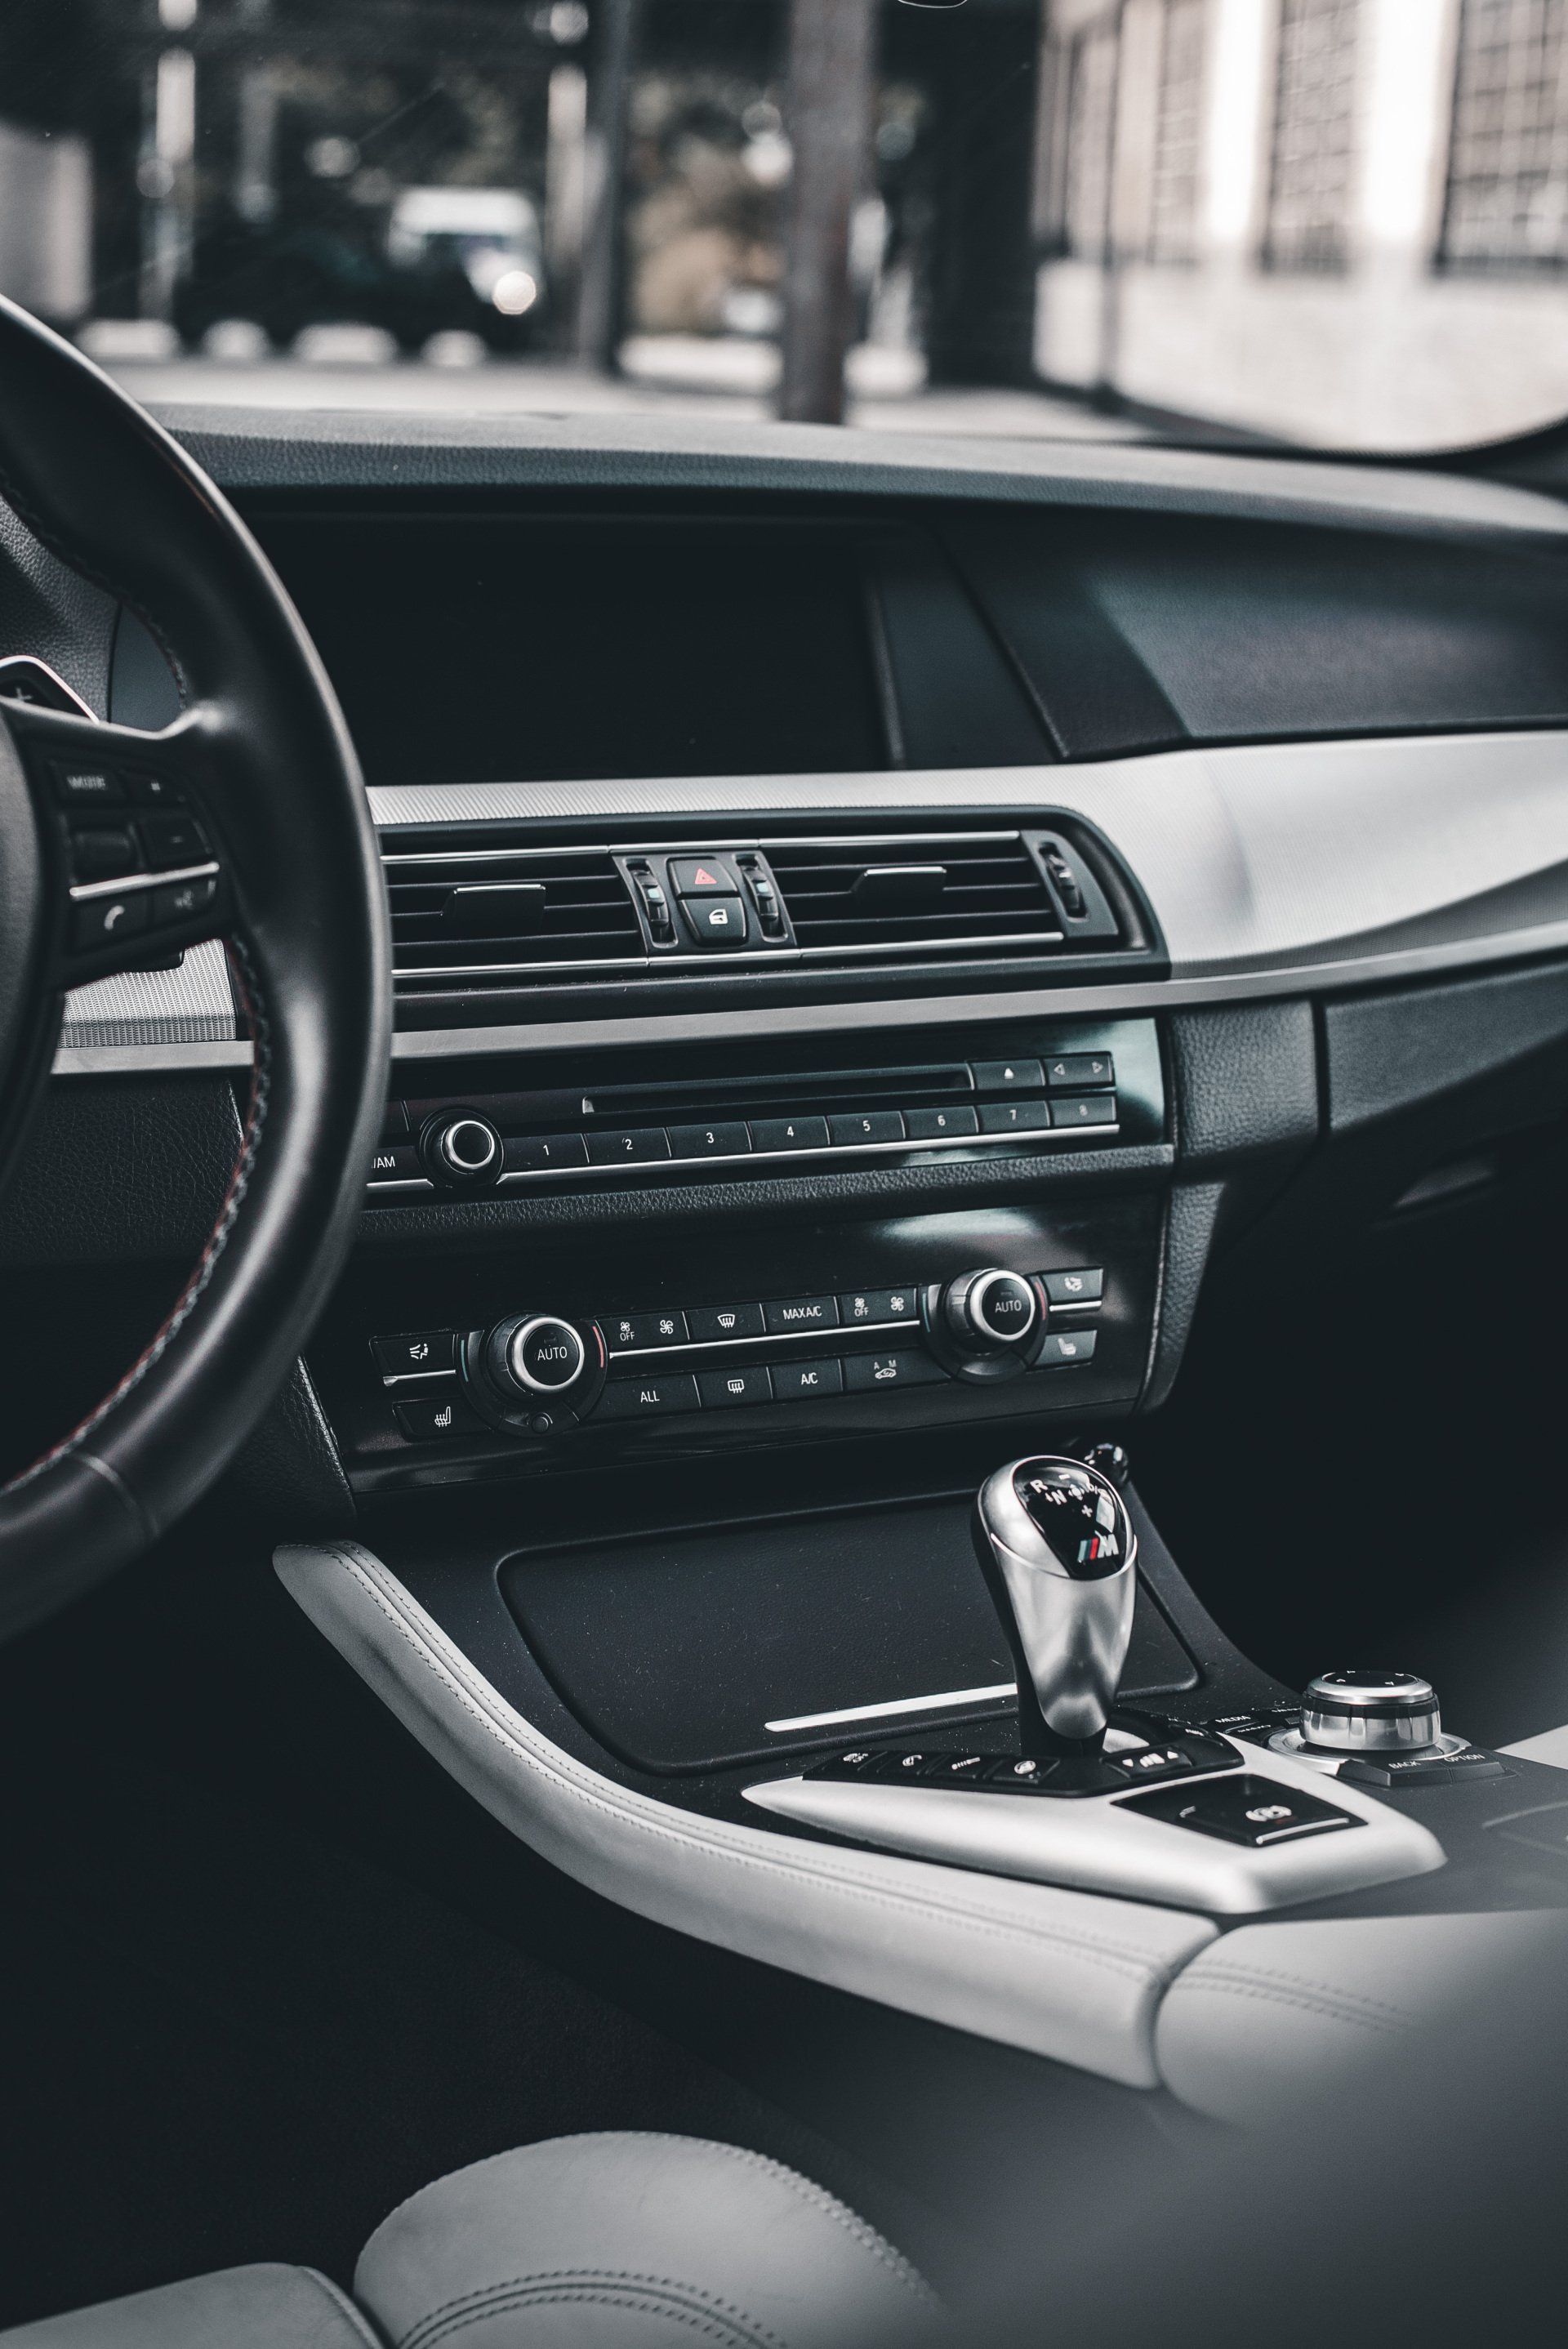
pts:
[249, 819]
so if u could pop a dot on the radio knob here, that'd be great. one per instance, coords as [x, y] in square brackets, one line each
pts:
[993, 1311]
[465, 1148]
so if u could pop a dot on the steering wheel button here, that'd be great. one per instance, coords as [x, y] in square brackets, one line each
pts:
[153, 791]
[181, 900]
[104, 921]
[99, 855]
[89, 790]
[173, 840]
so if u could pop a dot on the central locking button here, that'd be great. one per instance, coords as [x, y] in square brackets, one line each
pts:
[715, 921]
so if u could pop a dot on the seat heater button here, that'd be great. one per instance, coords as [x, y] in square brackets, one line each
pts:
[801, 1382]
[648, 1398]
[437, 1420]
[1084, 1109]
[1066, 1290]
[870, 1306]
[546, 1153]
[717, 1325]
[1065, 1347]
[878, 1373]
[940, 1124]
[723, 1390]
[104, 921]
[858, 1127]
[640, 1333]
[1257, 1812]
[1015, 1116]
[417, 1355]
[1070, 1069]
[791, 1313]
[789, 1134]
[628, 1148]
[1007, 1076]
[710, 1140]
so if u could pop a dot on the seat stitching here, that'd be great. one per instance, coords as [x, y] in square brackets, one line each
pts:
[1114, 1956]
[341, 2303]
[1321, 2004]
[628, 2297]
[577, 2283]
[1234, 1969]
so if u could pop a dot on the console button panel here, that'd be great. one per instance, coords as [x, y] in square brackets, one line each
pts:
[952, 1093]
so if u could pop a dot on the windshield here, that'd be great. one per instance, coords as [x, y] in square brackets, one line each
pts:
[1336, 224]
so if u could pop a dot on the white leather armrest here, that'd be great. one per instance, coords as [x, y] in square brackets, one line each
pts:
[1551, 1746]
[1269, 2010]
[1066, 1975]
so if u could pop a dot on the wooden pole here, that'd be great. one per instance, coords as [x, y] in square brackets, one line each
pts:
[831, 44]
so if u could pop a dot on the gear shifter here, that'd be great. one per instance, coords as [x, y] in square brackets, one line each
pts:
[1056, 1547]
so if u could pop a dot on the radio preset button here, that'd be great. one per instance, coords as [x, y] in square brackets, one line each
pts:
[730, 1140]
[859, 1127]
[543, 1153]
[793, 1313]
[1084, 1109]
[629, 1147]
[789, 1134]
[938, 1125]
[1015, 1116]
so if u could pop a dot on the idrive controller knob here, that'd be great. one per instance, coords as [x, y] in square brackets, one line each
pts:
[1371, 1713]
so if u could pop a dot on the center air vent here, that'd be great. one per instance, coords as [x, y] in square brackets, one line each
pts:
[487, 918]
[914, 892]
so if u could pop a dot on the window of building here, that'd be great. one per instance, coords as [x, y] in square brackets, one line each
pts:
[1312, 164]
[1092, 62]
[1178, 131]
[1507, 199]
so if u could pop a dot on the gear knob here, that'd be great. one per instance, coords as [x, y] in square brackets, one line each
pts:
[1056, 1547]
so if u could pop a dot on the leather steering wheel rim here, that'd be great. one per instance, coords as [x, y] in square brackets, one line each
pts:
[262, 756]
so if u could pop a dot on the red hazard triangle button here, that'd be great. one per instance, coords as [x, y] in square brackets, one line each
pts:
[694, 878]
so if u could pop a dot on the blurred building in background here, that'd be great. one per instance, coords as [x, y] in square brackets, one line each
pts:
[1340, 220]
[1345, 221]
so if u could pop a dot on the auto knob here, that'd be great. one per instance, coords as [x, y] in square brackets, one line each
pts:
[536, 1373]
[1371, 1713]
[540, 1355]
[1057, 1548]
[992, 1311]
[463, 1147]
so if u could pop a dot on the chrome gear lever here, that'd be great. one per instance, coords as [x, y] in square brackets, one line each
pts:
[1056, 1547]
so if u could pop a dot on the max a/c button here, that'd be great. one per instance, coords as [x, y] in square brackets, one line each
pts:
[791, 1313]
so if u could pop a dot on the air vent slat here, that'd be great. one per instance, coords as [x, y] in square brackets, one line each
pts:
[473, 917]
[845, 897]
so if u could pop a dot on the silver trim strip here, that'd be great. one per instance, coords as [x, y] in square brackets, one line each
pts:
[898, 1704]
[129, 883]
[46, 668]
[413, 1378]
[689, 959]
[769, 1337]
[718, 847]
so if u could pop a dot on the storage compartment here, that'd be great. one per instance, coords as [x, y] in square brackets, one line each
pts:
[683, 1651]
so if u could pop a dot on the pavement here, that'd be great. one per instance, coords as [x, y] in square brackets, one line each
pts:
[660, 376]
